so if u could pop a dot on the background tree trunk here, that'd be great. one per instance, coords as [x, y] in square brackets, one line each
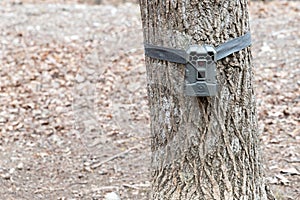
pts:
[202, 147]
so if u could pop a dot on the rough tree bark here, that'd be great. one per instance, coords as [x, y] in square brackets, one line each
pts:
[202, 147]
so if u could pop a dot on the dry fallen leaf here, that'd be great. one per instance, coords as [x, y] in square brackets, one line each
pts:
[282, 179]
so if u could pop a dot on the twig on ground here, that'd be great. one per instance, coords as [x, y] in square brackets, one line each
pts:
[98, 164]
[136, 186]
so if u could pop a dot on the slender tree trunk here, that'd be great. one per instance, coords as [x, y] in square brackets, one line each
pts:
[202, 147]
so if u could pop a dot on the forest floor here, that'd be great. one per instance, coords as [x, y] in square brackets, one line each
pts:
[74, 118]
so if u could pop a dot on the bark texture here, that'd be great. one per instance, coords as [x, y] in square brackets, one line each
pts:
[202, 147]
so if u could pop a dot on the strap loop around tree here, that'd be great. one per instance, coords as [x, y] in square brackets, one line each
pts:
[180, 56]
[200, 62]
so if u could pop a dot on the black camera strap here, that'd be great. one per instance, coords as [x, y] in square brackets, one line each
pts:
[180, 56]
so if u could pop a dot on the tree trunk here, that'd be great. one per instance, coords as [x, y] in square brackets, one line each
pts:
[202, 147]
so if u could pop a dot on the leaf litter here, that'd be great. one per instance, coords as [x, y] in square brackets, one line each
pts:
[74, 118]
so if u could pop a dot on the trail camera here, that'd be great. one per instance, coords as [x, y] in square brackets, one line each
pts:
[200, 71]
[200, 62]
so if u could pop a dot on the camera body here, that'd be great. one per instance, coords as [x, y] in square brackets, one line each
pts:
[200, 71]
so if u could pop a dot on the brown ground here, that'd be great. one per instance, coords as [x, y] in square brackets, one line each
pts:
[74, 119]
